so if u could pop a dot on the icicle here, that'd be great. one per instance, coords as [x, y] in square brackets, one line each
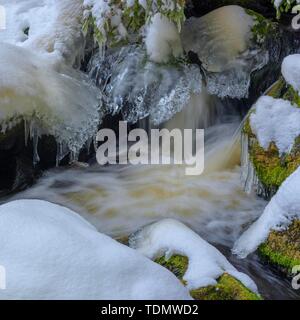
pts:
[34, 135]
[74, 155]
[26, 132]
[58, 153]
[35, 140]
[61, 152]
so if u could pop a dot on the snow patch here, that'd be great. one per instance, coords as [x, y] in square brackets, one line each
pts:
[206, 264]
[61, 102]
[162, 39]
[278, 214]
[275, 120]
[50, 252]
[50, 27]
[290, 69]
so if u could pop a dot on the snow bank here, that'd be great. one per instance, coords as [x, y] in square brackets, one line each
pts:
[290, 69]
[50, 252]
[275, 120]
[62, 103]
[278, 214]
[40, 44]
[51, 27]
[206, 263]
[162, 39]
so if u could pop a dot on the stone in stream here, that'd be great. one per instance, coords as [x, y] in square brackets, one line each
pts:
[282, 248]
[264, 169]
[227, 287]
[201, 267]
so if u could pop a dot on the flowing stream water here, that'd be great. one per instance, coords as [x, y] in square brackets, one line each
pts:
[120, 199]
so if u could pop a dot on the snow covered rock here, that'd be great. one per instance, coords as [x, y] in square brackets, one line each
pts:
[206, 264]
[49, 27]
[282, 126]
[281, 247]
[50, 252]
[219, 37]
[162, 40]
[291, 71]
[270, 151]
[39, 89]
[224, 42]
[57, 102]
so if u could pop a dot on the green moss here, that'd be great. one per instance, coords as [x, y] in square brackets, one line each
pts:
[285, 7]
[270, 168]
[176, 264]
[247, 127]
[227, 288]
[276, 90]
[291, 95]
[262, 26]
[282, 248]
[134, 18]
[281, 90]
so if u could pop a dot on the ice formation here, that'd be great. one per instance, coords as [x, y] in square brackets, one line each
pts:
[62, 104]
[282, 125]
[223, 43]
[139, 88]
[206, 264]
[49, 252]
[40, 44]
[291, 70]
[278, 214]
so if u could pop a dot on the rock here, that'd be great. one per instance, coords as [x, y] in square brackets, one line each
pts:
[17, 168]
[50, 252]
[239, 50]
[219, 37]
[229, 46]
[270, 168]
[282, 248]
[227, 288]
[16, 165]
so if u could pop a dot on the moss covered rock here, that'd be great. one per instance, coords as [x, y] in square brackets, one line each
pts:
[271, 168]
[282, 248]
[227, 288]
